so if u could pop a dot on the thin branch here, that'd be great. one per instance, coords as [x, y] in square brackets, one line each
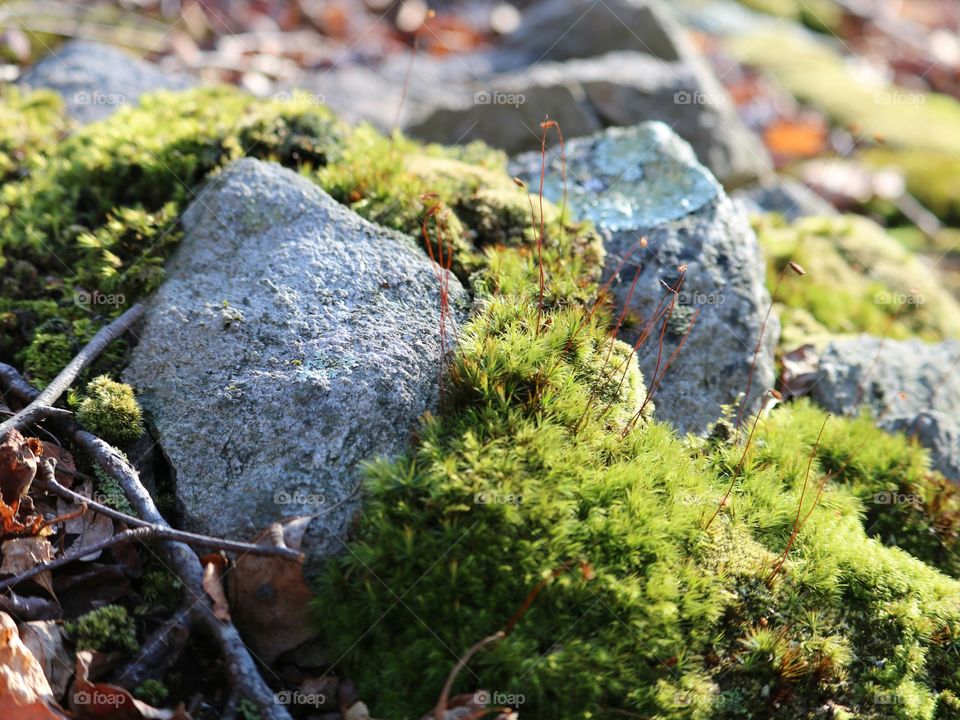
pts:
[46, 480]
[441, 709]
[39, 406]
[139, 533]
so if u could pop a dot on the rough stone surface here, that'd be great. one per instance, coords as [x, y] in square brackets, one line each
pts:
[97, 80]
[909, 385]
[291, 341]
[645, 181]
[565, 29]
[614, 89]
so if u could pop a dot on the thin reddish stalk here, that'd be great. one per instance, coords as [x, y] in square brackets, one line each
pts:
[543, 174]
[797, 522]
[651, 391]
[739, 467]
[625, 364]
[763, 328]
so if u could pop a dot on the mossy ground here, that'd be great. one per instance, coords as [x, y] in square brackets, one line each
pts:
[859, 279]
[532, 461]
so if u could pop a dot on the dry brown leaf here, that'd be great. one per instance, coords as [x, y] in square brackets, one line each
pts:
[111, 702]
[789, 139]
[22, 554]
[269, 596]
[213, 567]
[800, 368]
[25, 693]
[90, 529]
[18, 465]
[44, 639]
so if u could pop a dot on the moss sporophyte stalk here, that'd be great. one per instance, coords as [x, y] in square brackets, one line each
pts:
[754, 614]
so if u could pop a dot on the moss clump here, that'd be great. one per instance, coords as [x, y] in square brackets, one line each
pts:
[859, 279]
[111, 411]
[30, 124]
[104, 629]
[817, 73]
[152, 692]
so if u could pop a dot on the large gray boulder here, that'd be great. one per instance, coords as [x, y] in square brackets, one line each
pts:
[909, 385]
[645, 181]
[96, 80]
[291, 341]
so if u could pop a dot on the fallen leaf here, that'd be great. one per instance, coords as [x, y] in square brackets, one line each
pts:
[102, 700]
[269, 596]
[90, 528]
[22, 554]
[800, 368]
[213, 567]
[44, 640]
[25, 693]
[18, 465]
[789, 139]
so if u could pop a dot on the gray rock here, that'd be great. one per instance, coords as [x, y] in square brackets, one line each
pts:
[96, 80]
[790, 198]
[909, 385]
[615, 89]
[565, 29]
[645, 181]
[291, 341]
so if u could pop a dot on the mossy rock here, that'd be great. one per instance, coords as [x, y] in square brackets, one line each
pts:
[858, 279]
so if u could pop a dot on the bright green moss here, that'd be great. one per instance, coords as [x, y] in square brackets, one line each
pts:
[104, 629]
[858, 279]
[31, 123]
[110, 410]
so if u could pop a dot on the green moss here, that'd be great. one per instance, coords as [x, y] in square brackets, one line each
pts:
[110, 411]
[104, 629]
[817, 73]
[88, 230]
[820, 15]
[858, 279]
[30, 124]
[931, 178]
[152, 692]
[532, 465]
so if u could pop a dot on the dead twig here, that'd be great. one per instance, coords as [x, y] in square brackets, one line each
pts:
[40, 406]
[46, 480]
